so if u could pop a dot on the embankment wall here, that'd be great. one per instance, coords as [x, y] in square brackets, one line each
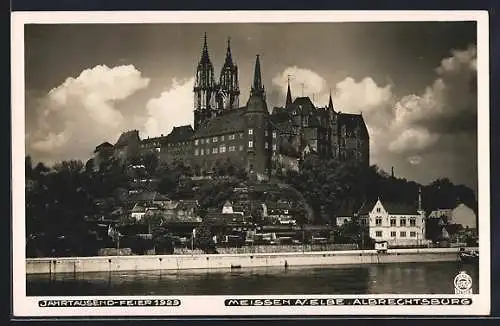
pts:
[228, 261]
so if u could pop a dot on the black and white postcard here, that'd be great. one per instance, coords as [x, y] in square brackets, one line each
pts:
[250, 163]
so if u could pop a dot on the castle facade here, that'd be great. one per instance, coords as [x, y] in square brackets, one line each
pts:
[252, 136]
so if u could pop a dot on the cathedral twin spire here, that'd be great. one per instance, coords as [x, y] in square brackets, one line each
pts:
[211, 98]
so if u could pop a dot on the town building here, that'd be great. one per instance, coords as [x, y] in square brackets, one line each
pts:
[398, 224]
[461, 215]
[252, 136]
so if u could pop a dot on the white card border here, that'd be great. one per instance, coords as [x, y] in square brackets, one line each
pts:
[213, 305]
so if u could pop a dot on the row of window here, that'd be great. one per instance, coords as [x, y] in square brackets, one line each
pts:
[215, 139]
[216, 150]
[402, 221]
[402, 234]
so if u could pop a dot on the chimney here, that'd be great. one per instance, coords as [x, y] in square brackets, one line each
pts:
[392, 171]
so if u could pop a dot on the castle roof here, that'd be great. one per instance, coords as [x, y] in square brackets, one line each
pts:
[351, 122]
[256, 104]
[304, 105]
[179, 134]
[126, 137]
[228, 122]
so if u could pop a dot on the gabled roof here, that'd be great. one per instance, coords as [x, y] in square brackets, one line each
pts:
[228, 122]
[179, 134]
[304, 105]
[126, 137]
[400, 208]
[367, 207]
[102, 146]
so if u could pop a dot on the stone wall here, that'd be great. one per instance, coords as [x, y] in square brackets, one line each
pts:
[229, 261]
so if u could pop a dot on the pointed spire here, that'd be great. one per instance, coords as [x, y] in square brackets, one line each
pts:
[330, 102]
[288, 94]
[204, 54]
[229, 59]
[257, 87]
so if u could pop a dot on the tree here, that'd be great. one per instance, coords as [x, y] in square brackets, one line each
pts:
[151, 162]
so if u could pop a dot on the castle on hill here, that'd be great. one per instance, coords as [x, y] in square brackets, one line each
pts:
[262, 141]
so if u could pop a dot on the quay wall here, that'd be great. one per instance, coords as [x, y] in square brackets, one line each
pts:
[229, 261]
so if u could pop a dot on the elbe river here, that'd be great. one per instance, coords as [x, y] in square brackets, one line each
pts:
[402, 278]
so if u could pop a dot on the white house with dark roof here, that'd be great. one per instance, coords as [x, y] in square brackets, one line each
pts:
[397, 223]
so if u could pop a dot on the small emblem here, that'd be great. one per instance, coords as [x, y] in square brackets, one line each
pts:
[463, 283]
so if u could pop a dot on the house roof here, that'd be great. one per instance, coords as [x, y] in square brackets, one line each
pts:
[143, 196]
[102, 146]
[138, 209]
[400, 208]
[366, 207]
[229, 122]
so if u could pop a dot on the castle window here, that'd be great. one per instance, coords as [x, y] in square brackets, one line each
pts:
[196, 142]
[265, 133]
[250, 131]
[378, 234]
[222, 149]
[202, 141]
[402, 234]
[274, 147]
[232, 148]
[274, 134]
[241, 135]
[266, 146]
[202, 152]
[402, 222]
[378, 209]
[250, 143]
[393, 222]
[231, 137]
[214, 140]
[412, 221]
[222, 138]
[378, 221]
[413, 234]
[208, 140]
[196, 152]
[241, 147]
[215, 150]
[393, 234]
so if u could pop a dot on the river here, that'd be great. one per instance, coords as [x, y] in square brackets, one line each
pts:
[403, 278]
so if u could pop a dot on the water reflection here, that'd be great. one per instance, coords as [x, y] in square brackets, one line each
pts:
[431, 278]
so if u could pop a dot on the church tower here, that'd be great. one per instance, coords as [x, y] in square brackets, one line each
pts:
[229, 91]
[257, 86]
[205, 89]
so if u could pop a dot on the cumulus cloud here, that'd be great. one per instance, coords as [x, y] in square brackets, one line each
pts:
[174, 107]
[72, 118]
[348, 95]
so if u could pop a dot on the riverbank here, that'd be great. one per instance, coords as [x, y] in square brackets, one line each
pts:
[232, 261]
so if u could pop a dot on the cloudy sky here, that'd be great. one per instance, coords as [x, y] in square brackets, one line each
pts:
[415, 84]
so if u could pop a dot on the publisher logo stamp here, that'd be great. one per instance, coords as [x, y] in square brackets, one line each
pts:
[463, 283]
